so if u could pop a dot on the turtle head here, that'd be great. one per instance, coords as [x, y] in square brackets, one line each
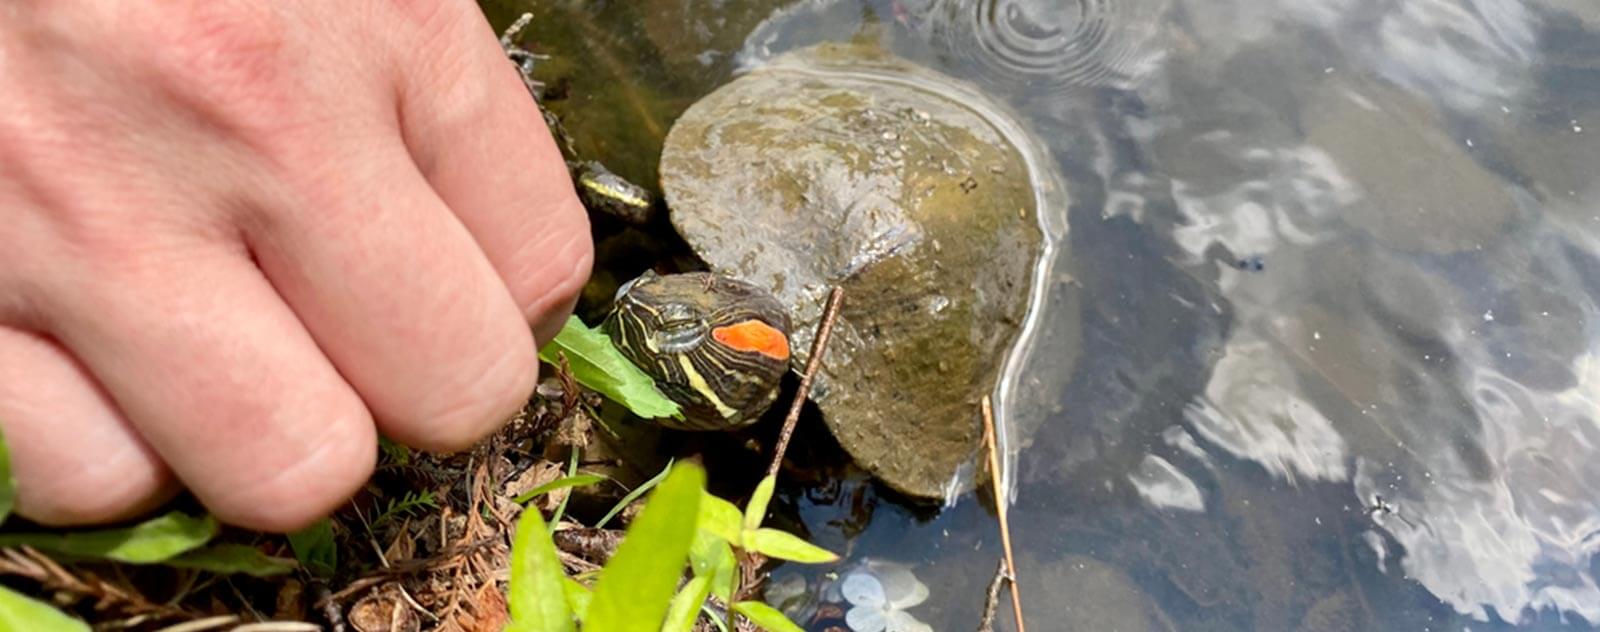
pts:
[717, 346]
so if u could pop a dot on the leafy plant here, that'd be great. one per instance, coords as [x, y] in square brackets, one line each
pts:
[315, 548]
[597, 364]
[175, 539]
[638, 588]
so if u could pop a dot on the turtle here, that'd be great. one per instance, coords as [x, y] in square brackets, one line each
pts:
[843, 165]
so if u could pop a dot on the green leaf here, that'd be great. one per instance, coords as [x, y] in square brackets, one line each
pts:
[155, 540]
[712, 557]
[634, 495]
[8, 485]
[315, 548]
[22, 613]
[685, 608]
[229, 559]
[756, 511]
[560, 483]
[786, 546]
[725, 579]
[637, 585]
[578, 596]
[597, 364]
[766, 616]
[537, 599]
[721, 518]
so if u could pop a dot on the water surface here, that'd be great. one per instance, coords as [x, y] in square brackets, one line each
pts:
[1324, 325]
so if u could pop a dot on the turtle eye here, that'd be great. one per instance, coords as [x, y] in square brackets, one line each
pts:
[681, 327]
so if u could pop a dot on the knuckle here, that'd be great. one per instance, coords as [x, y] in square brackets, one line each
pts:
[229, 61]
[112, 490]
[471, 411]
[306, 487]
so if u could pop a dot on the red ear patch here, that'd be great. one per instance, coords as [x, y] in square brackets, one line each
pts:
[754, 335]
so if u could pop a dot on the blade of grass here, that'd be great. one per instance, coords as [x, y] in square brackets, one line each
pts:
[564, 482]
[637, 584]
[634, 495]
[714, 616]
[561, 508]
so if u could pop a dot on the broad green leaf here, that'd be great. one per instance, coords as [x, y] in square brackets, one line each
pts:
[315, 549]
[8, 485]
[22, 613]
[155, 540]
[686, 606]
[725, 579]
[578, 596]
[721, 518]
[637, 585]
[228, 559]
[561, 483]
[712, 557]
[703, 552]
[634, 495]
[766, 616]
[536, 598]
[786, 546]
[756, 511]
[597, 364]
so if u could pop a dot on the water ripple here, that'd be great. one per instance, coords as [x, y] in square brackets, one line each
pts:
[1044, 46]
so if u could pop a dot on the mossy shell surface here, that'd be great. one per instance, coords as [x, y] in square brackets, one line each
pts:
[841, 165]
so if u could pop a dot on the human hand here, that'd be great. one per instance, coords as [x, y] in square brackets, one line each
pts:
[238, 239]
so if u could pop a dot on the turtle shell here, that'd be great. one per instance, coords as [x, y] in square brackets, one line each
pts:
[842, 165]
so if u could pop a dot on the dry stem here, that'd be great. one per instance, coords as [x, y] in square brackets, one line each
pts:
[1000, 508]
[830, 313]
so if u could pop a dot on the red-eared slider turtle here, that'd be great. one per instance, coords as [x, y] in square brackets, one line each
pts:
[717, 346]
[841, 165]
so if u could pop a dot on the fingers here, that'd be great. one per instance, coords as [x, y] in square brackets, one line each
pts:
[221, 379]
[75, 459]
[400, 298]
[479, 139]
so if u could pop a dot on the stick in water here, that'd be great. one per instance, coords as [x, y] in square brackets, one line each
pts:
[830, 313]
[1000, 508]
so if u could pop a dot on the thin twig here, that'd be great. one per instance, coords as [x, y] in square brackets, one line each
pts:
[201, 625]
[991, 598]
[830, 313]
[1000, 508]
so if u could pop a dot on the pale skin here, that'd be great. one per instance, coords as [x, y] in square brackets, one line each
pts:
[239, 240]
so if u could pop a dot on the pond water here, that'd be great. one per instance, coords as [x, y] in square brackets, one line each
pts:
[1320, 348]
